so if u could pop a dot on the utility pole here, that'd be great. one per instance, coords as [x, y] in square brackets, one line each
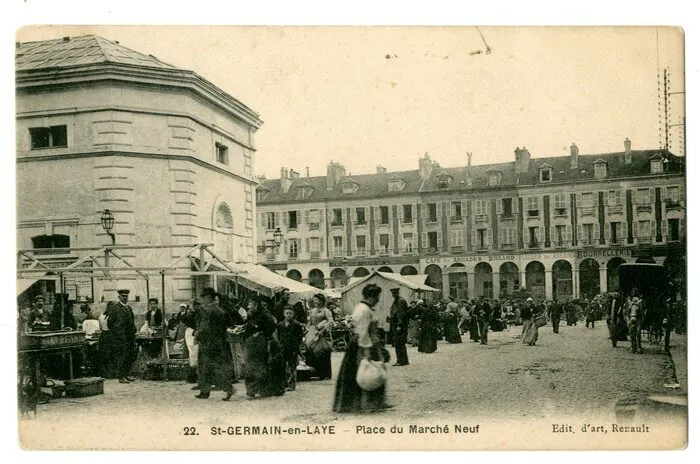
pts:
[667, 110]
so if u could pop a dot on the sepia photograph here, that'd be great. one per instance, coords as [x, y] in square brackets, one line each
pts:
[336, 238]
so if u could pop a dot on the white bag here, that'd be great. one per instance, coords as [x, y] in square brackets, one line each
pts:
[371, 375]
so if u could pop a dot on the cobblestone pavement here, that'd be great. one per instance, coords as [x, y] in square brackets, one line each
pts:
[574, 373]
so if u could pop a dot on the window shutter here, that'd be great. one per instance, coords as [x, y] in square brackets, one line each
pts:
[499, 206]
[321, 216]
[367, 218]
[277, 219]
[377, 215]
[399, 211]
[634, 229]
[540, 234]
[464, 209]
[606, 231]
[596, 233]
[299, 242]
[487, 208]
[526, 236]
[681, 228]
[424, 245]
[343, 215]
[286, 246]
[489, 237]
[595, 199]
[439, 239]
[515, 205]
[438, 207]
[663, 193]
[634, 196]
[474, 238]
[653, 230]
[567, 234]
[553, 234]
[664, 228]
[579, 232]
[606, 199]
[578, 200]
[306, 216]
[308, 246]
[285, 218]
[321, 241]
[623, 234]
[681, 193]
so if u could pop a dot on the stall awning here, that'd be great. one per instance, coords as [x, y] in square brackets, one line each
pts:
[24, 284]
[266, 282]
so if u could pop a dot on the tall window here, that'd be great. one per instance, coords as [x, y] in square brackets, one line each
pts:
[457, 210]
[508, 236]
[615, 232]
[587, 200]
[480, 207]
[48, 137]
[533, 206]
[337, 217]
[408, 243]
[384, 215]
[314, 219]
[432, 242]
[293, 221]
[560, 235]
[360, 215]
[384, 243]
[360, 240]
[560, 202]
[673, 194]
[587, 234]
[270, 221]
[657, 166]
[644, 233]
[407, 214]
[315, 247]
[614, 198]
[507, 204]
[338, 246]
[532, 232]
[481, 238]
[293, 250]
[674, 230]
[457, 238]
[432, 212]
[643, 196]
[221, 153]
[600, 170]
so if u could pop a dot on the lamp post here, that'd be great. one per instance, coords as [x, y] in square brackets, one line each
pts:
[107, 220]
[274, 243]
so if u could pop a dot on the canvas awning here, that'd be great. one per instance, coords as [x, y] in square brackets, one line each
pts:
[266, 282]
[24, 284]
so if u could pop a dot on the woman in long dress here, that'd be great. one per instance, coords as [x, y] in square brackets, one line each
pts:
[530, 329]
[451, 319]
[319, 326]
[427, 332]
[365, 343]
[264, 368]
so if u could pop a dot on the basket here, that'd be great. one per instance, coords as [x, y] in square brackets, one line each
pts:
[40, 341]
[178, 369]
[540, 321]
[84, 387]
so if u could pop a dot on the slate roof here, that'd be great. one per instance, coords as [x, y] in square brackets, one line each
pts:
[80, 51]
[376, 185]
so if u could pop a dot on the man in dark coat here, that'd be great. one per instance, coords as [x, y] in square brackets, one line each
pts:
[290, 334]
[123, 335]
[399, 327]
[484, 320]
[555, 313]
[215, 362]
[154, 315]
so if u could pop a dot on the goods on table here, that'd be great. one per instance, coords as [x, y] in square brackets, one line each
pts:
[45, 340]
[178, 369]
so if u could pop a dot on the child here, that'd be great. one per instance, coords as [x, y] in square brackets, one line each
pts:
[290, 333]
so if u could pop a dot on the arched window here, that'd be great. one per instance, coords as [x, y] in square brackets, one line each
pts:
[224, 218]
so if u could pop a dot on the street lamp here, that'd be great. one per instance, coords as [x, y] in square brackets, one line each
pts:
[107, 220]
[275, 242]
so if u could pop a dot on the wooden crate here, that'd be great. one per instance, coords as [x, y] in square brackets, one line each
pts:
[178, 369]
[84, 387]
[39, 341]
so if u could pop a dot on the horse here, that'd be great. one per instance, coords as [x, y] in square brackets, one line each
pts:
[635, 312]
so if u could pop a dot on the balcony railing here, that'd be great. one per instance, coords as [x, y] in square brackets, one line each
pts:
[314, 226]
[508, 246]
[644, 208]
[360, 251]
[481, 218]
[293, 257]
[315, 254]
[533, 213]
[384, 252]
[337, 224]
[673, 206]
[587, 210]
[407, 220]
[584, 242]
[459, 218]
[431, 220]
[644, 239]
[431, 250]
[457, 249]
[561, 243]
[534, 245]
[481, 247]
[360, 223]
[561, 212]
[507, 216]
[615, 243]
[616, 209]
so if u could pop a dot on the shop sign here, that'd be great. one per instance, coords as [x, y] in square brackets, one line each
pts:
[276, 266]
[468, 259]
[372, 262]
[603, 253]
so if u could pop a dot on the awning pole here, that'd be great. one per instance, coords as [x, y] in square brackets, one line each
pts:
[148, 292]
[63, 287]
[164, 348]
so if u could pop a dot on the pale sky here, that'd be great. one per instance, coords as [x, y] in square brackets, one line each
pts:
[330, 93]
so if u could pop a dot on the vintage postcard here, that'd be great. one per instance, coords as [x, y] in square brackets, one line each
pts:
[351, 238]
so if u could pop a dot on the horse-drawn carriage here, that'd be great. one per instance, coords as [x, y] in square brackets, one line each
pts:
[641, 306]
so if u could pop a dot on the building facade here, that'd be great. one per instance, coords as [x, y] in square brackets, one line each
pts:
[557, 226]
[100, 126]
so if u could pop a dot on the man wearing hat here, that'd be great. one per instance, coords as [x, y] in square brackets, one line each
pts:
[215, 362]
[398, 327]
[154, 315]
[38, 315]
[123, 335]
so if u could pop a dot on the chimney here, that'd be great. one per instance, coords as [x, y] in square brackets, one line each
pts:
[469, 164]
[293, 174]
[282, 176]
[522, 160]
[574, 156]
[628, 151]
[307, 172]
[334, 173]
[381, 170]
[66, 39]
[425, 165]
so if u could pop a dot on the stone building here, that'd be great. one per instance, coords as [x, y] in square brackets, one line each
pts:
[171, 155]
[554, 226]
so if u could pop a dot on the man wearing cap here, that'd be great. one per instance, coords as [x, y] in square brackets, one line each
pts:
[398, 327]
[38, 316]
[123, 335]
[154, 315]
[215, 361]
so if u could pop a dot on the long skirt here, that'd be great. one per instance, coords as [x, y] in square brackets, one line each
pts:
[452, 332]
[412, 332]
[107, 362]
[427, 339]
[349, 397]
[320, 361]
[215, 367]
[192, 348]
[474, 330]
[530, 332]
[264, 367]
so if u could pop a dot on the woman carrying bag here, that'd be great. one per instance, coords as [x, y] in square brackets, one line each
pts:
[318, 337]
[361, 385]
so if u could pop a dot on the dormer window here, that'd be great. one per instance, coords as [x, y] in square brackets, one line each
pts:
[261, 194]
[348, 187]
[304, 191]
[600, 169]
[396, 184]
[444, 180]
[657, 166]
[494, 178]
[545, 174]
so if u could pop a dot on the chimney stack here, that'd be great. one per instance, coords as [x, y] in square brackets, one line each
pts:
[293, 174]
[425, 165]
[334, 173]
[307, 172]
[381, 170]
[522, 160]
[469, 164]
[628, 151]
[574, 156]
[281, 173]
